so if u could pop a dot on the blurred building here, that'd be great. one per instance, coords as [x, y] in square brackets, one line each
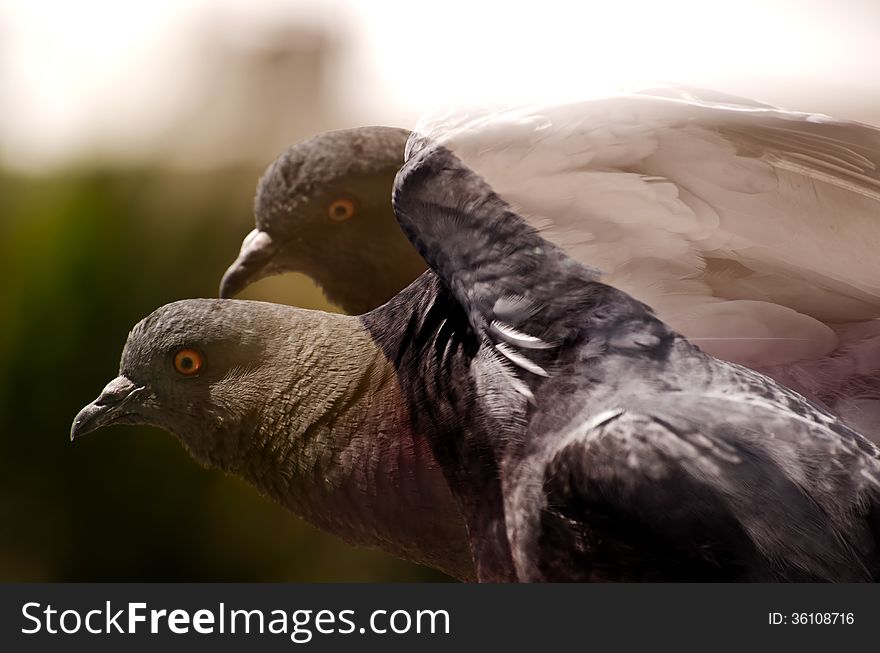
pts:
[251, 98]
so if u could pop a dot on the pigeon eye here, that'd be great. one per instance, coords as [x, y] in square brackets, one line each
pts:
[341, 210]
[188, 362]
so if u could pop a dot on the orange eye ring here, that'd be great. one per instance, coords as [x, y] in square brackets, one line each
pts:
[341, 209]
[188, 362]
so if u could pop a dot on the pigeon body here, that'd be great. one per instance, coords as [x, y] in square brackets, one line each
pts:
[749, 229]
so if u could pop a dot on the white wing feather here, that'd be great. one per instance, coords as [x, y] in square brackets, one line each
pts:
[752, 230]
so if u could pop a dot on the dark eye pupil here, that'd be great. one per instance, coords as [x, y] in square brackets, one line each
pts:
[186, 362]
[340, 211]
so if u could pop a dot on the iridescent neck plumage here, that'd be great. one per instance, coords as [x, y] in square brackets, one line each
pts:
[335, 444]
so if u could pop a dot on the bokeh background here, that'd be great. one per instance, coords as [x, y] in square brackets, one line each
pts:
[131, 138]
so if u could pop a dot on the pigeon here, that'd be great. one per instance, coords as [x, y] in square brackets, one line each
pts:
[749, 229]
[620, 450]
[507, 417]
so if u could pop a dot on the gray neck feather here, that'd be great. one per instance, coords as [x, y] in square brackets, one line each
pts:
[334, 444]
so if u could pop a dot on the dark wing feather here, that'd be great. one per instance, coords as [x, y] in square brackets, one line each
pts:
[522, 294]
[496, 265]
[689, 487]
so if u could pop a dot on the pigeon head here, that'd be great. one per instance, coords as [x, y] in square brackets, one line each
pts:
[324, 208]
[195, 368]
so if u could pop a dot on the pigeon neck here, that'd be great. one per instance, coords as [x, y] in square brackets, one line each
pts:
[374, 282]
[336, 447]
[425, 333]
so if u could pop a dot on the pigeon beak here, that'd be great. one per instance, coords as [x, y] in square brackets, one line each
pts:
[106, 409]
[252, 264]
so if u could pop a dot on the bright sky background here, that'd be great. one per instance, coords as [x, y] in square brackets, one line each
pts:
[90, 74]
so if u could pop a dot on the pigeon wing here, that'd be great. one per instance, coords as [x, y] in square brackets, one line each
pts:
[523, 295]
[744, 225]
[700, 487]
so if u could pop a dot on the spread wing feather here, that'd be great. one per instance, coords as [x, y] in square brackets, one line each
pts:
[748, 228]
[642, 458]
